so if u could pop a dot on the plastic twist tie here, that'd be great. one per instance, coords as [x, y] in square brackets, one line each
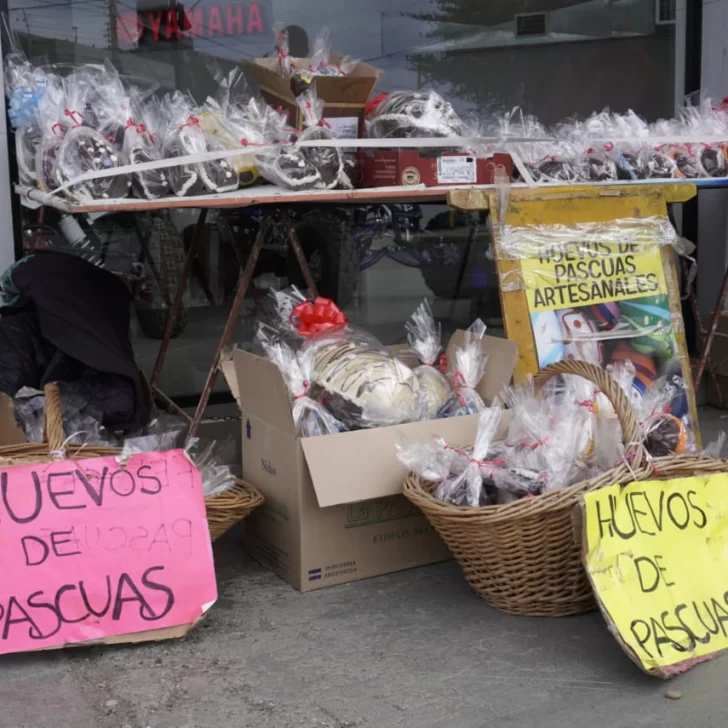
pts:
[71, 114]
[303, 394]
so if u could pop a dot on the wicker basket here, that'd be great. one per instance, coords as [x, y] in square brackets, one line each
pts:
[223, 511]
[523, 557]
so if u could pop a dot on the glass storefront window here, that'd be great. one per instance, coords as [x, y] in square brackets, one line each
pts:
[553, 58]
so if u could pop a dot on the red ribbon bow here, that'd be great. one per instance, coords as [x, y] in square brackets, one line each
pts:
[374, 103]
[140, 129]
[314, 317]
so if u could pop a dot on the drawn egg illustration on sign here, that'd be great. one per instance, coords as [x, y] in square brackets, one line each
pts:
[580, 340]
[549, 337]
[644, 365]
[652, 318]
[606, 315]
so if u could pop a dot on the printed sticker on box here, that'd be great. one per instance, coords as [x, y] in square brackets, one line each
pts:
[456, 169]
[343, 127]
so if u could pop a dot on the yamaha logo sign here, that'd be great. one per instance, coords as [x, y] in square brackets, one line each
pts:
[178, 23]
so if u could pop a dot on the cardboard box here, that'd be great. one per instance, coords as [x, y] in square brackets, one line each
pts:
[389, 168]
[334, 512]
[344, 97]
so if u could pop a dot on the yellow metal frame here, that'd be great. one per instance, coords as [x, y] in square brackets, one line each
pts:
[569, 205]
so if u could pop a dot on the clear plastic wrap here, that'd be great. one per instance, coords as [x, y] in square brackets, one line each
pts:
[361, 384]
[310, 417]
[235, 120]
[560, 166]
[303, 168]
[659, 412]
[467, 488]
[609, 442]
[545, 448]
[282, 47]
[209, 456]
[53, 123]
[143, 143]
[184, 136]
[81, 426]
[631, 131]
[359, 381]
[712, 123]
[714, 449]
[595, 289]
[303, 71]
[28, 88]
[609, 146]
[432, 459]
[406, 114]
[463, 478]
[469, 368]
[664, 433]
[599, 166]
[164, 432]
[29, 405]
[95, 103]
[684, 157]
[541, 158]
[424, 336]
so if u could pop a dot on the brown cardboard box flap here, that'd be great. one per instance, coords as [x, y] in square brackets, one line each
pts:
[360, 465]
[502, 357]
[354, 88]
[259, 389]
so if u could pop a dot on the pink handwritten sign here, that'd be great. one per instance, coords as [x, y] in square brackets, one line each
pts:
[91, 549]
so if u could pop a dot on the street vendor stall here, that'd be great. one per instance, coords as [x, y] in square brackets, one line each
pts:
[597, 201]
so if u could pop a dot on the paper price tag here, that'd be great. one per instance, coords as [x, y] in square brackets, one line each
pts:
[456, 169]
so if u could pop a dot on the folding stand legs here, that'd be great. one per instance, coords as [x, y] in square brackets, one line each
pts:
[707, 341]
[178, 298]
[244, 284]
[232, 320]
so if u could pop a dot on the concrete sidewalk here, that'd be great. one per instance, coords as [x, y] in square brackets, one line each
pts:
[416, 649]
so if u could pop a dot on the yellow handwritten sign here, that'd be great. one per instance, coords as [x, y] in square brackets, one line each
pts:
[657, 556]
[572, 275]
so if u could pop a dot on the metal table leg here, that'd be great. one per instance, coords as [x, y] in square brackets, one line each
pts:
[170, 405]
[232, 320]
[300, 257]
[179, 296]
[708, 343]
[702, 334]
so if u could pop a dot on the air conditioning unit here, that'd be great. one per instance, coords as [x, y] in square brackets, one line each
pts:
[665, 12]
[530, 24]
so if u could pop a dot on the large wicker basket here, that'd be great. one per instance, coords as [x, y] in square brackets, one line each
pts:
[523, 557]
[223, 511]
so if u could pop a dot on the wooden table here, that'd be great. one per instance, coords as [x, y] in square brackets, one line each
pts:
[277, 201]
